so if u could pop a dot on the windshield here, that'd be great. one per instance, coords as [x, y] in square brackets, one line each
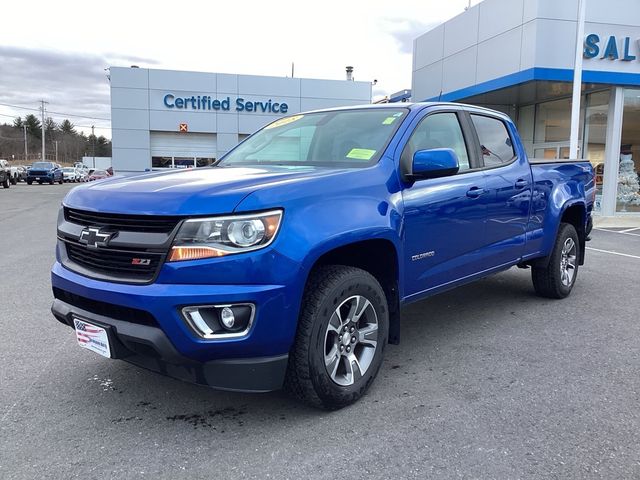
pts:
[344, 138]
[43, 165]
[68, 169]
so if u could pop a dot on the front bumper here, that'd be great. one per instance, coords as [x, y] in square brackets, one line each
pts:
[146, 328]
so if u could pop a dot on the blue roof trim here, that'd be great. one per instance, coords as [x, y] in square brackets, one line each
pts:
[538, 73]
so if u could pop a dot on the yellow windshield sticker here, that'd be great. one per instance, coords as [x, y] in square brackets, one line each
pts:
[361, 153]
[388, 120]
[284, 121]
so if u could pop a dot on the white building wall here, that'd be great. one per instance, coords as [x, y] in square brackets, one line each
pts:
[496, 38]
[139, 116]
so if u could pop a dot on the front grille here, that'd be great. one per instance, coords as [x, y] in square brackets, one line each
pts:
[126, 314]
[38, 173]
[125, 265]
[114, 221]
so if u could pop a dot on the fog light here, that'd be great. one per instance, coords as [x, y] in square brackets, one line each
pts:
[220, 321]
[227, 317]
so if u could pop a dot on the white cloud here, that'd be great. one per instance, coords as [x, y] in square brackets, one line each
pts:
[67, 45]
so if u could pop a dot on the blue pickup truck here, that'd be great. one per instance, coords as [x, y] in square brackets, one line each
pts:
[42, 172]
[287, 264]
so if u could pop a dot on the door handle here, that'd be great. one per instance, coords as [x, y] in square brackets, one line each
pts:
[475, 192]
[521, 183]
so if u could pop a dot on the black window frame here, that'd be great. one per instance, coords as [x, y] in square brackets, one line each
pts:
[468, 134]
[478, 147]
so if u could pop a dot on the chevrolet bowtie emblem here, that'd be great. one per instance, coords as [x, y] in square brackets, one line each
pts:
[92, 237]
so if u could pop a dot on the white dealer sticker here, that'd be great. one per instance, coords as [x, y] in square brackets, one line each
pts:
[92, 337]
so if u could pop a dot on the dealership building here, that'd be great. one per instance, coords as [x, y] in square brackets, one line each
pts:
[518, 56]
[165, 118]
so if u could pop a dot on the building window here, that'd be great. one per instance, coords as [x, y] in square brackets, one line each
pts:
[595, 132]
[628, 191]
[161, 162]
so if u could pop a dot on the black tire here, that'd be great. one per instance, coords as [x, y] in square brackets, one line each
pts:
[14, 180]
[29, 182]
[307, 376]
[51, 182]
[6, 183]
[548, 281]
[39, 182]
[61, 181]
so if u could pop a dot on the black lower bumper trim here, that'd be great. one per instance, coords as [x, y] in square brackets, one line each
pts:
[150, 348]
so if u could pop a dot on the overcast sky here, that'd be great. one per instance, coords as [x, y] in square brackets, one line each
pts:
[58, 51]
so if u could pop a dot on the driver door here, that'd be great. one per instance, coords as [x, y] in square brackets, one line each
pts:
[444, 218]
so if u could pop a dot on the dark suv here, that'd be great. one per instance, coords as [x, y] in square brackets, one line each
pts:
[42, 172]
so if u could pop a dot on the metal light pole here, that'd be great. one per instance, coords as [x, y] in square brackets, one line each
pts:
[42, 109]
[93, 141]
[26, 154]
[577, 83]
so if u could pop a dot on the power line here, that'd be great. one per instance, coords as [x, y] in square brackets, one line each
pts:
[75, 126]
[56, 113]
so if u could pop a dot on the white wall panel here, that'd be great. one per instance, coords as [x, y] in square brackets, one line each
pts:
[130, 138]
[170, 121]
[136, 98]
[499, 56]
[461, 32]
[458, 71]
[124, 118]
[429, 48]
[274, 86]
[427, 82]
[498, 16]
[131, 159]
[170, 79]
[129, 77]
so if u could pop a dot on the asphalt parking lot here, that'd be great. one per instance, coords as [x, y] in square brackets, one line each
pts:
[489, 381]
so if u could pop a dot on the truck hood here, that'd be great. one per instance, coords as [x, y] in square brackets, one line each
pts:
[203, 191]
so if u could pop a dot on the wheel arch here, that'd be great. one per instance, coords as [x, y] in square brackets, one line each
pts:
[379, 257]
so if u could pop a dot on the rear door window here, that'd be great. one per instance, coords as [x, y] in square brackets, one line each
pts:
[495, 142]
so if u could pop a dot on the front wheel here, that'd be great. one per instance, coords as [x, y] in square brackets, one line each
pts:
[14, 180]
[6, 183]
[342, 332]
[559, 276]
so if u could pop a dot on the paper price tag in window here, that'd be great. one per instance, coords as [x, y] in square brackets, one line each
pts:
[361, 153]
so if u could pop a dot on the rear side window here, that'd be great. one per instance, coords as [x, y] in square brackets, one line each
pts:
[495, 142]
[440, 130]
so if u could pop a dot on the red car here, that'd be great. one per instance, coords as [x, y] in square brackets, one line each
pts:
[98, 175]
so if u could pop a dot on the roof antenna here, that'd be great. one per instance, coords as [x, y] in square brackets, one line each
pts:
[440, 96]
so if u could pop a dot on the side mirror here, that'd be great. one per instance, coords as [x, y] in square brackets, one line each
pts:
[433, 163]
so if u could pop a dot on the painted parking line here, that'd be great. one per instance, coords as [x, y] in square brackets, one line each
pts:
[622, 232]
[613, 253]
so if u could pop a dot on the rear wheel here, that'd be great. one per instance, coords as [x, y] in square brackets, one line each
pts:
[557, 279]
[6, 183]
[14, 180]
[342, 331]
[29, 182]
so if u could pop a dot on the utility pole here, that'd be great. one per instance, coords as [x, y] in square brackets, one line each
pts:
[26, 154]
[42, 102]
[93, 141]
[56, 142]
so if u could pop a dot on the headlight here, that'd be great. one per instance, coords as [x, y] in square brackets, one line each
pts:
[220, 236]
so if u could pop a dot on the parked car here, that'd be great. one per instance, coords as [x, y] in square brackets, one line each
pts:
[14, 172]
[5, 174]
[22, 173]
[70, 174]
[287, 264]
[82, 174]
[42, 172]
[98, 175]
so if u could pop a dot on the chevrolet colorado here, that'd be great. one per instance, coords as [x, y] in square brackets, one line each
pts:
[288, 262]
